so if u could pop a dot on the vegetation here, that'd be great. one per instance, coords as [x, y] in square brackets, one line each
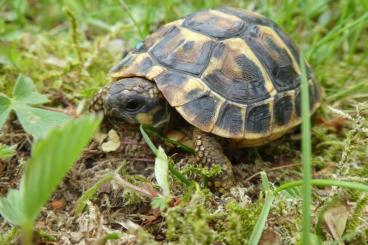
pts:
[54, 55]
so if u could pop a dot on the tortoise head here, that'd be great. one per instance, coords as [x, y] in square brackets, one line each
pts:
[136, 101]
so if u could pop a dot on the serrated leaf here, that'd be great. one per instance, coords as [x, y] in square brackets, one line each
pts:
[6, 151]
[38, 122]
[5, 103]
[25, 92]
[161, 171]
[11, 207]
[51, 158]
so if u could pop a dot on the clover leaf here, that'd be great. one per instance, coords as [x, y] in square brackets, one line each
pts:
[25, 96]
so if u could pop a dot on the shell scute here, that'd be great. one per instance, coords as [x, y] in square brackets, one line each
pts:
[283, 109]
[258, 119]
[230, 122]
[201, 111]
[177, 50]
[214, 24]
[178, 88]
[237, 75]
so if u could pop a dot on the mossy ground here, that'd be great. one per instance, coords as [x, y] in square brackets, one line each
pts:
[67, 48]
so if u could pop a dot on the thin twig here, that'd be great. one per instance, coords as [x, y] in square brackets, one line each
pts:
[145, 192]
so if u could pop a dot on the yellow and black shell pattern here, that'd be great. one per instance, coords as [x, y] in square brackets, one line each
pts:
[234, 74]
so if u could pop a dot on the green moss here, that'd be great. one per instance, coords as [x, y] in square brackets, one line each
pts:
[200, 220]
[240, 222]
[190, 222]
[356, 227]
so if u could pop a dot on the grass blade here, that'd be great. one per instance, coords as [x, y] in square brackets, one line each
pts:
[259, 227]
[324, 183]
[148, 140]
[306, 155]
[342, 94]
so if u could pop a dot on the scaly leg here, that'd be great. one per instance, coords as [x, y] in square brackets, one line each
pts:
[209, 152]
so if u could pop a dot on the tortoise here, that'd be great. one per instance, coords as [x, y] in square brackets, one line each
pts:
[232, 78]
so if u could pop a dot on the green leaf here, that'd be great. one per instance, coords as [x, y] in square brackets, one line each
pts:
[25, 92]
[162, 170]
[51, 158]
[11, 207]
[6, 151]
[35, 121]
[160, 202]
[5, 103]
[38, 122]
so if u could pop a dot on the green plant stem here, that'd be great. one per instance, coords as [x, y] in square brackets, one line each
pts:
[27, 233]
[306, 155]
[323, 183]
[74, 34]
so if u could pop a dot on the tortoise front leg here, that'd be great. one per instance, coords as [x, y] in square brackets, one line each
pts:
[208, 152]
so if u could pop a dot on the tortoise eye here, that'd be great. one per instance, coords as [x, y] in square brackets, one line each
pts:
[133, 105]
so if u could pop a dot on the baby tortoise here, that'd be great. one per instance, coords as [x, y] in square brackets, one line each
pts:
[233, 76]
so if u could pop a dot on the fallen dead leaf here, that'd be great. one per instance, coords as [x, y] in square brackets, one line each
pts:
[270, 237]
[334, 220]
[113, 142]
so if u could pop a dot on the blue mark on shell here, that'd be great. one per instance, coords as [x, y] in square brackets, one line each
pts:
[139, 46]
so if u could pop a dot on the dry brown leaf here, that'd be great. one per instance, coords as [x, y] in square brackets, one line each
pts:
[113, 142]
[334, 220]
[270, 237]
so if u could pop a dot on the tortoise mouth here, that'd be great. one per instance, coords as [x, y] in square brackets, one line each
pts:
[116, 115]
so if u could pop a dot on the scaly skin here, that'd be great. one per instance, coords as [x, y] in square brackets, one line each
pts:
[208, 152]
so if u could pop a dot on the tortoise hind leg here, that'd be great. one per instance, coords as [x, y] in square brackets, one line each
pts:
[208, 152]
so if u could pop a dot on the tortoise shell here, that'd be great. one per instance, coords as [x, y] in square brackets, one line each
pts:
[231, 73]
